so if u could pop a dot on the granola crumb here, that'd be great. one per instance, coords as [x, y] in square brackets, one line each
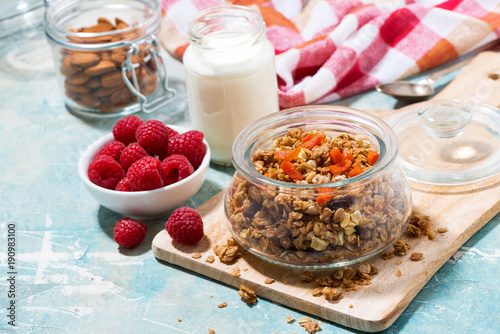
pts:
[290, 319]
[222, 305]
[306, 276]
[350, 306]
[211, 331]
[387, 255]
[430, 234]
[303, 320]
[332, 293]
[210, 259]
[245, 269]
[285, 282]
[247, 294]
[196, 256]
[317, 292]
[227, 253]
[442, 230]
[399, 262]
[400, 247]
[416, 256]
[211, 296]
[235, 272]
[399, 273]
[179, 319]
[311, 327]
[269, 281]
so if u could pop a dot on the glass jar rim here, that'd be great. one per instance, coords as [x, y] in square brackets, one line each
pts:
[150, 22]
[243, 16]
[244, 142]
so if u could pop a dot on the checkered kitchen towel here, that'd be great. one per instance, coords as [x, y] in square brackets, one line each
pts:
[327, 50]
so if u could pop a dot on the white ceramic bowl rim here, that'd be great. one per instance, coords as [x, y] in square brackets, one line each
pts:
[97, 145]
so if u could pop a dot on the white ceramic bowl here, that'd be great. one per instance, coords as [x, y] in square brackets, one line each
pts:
[143, 204]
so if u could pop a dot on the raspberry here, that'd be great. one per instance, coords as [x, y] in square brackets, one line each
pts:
[129, 233]
[152, 136]
[123, 185]
[185, 226]
[113, 149]
[145, 174]
[131, 154]
[105, 172]
[175, 168]
[190, 145]
[124, 130]
[172, 133]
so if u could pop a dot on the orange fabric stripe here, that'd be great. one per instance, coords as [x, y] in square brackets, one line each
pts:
[247, 2]
[273, 17]
[179, 51]
[311, 41]
[442, 52]
[493, 19]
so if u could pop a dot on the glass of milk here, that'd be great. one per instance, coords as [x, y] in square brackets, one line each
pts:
[230, 75]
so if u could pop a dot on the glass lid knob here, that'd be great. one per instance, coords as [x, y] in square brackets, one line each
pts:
[444, 118]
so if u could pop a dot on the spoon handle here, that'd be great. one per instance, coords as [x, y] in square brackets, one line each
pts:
[443, 72]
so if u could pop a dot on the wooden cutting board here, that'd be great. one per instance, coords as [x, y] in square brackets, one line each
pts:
[462, 209]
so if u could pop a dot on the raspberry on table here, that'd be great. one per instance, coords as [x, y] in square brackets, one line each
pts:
[105, 172]
[124, 130]
[185, 226]
[129, 233]
[113, 149]
[123, 185]
[145, 174]
[152, 136]
[131, 154]
[190, 145]
[175, 168]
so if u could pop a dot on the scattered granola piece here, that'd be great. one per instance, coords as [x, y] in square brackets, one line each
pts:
[332, 293]
[317, 292]
[290, 319]
[325, 281]
[311, 327]
[179, 319]
[306, 276]
[399, 273]
[304, 320]
[269, 281]
[245, 269]
[387, 255]
[235, 271]
[229, 252]
[210, 259]
[247, 294]
[222, 305]
[399, 262]
[350, 306]
[442, 230]
[211, 331]
[196, 256]
[285, 282]
[400, 247]
[430, 234]
[416, 256]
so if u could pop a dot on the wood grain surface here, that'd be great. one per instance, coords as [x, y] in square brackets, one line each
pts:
[461, 209]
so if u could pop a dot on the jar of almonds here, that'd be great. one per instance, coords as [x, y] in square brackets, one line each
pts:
[107, 56]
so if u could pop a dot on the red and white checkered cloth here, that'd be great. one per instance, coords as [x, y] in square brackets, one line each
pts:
[327, 50]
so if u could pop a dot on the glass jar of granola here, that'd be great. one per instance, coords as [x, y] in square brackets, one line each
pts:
[317, 186]
[107, 55]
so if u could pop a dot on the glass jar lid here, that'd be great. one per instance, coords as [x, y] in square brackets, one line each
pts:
[448, 142]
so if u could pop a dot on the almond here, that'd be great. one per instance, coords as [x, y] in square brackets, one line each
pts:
[66, 68]
[83, 59]
[89, 101]
[103, 91]
[104, 66]
[112, 79]
[100, 27]
[78, 79]
[122, 96]
[77, 88]
[94, 82]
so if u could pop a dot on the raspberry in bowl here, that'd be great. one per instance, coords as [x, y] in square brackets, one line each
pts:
[141, 185]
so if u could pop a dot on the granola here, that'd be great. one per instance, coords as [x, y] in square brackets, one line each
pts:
[229, 252]
[247, 294]
[316, 224]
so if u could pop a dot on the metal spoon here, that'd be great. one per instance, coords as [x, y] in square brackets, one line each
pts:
[420, 90]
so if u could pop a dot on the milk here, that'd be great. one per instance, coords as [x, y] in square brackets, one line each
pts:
[230, 82]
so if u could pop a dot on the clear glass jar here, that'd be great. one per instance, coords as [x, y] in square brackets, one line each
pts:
[286, 223]
[230, 75]
[107, 55]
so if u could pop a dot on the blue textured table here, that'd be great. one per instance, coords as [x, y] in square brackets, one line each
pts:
[70, 276]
